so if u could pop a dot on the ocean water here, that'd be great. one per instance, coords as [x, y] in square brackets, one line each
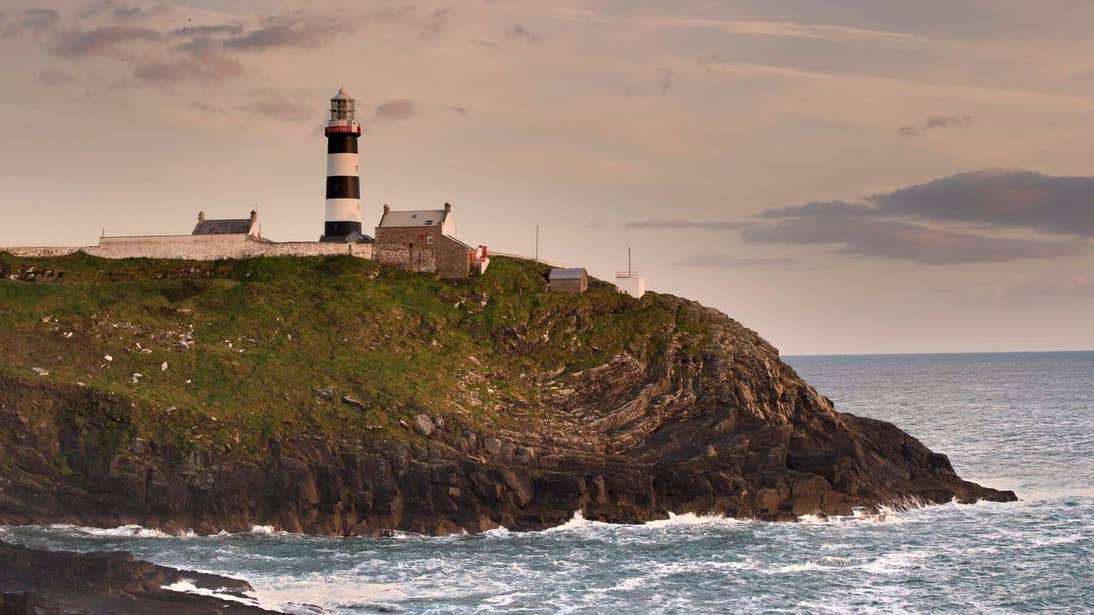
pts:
[1015, 421]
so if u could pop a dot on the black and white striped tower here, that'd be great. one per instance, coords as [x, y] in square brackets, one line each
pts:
[343, 219]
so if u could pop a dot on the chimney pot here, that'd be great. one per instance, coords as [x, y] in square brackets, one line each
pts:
[447, 207]
[387, 208]
[254, 215]
[201, 216]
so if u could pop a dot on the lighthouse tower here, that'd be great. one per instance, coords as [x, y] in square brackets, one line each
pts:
[343, 219]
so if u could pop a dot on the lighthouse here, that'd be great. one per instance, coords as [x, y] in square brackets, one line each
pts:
[343, 215]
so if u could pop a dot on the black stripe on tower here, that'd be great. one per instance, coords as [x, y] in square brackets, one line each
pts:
[342, 143]
[343, 187]
[341, 229]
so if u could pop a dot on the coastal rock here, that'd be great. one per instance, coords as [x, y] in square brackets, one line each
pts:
[34, 581]
[423, 425]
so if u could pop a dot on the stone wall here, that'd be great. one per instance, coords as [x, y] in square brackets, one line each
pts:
[196, 247]
[411, 248]
[453, 258]
[423, 249]
[41, 252]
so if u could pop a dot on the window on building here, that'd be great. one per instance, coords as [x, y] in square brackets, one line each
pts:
[429, 239]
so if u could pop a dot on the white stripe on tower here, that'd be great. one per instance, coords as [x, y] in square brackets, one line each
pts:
[341, 164]
[343, 209]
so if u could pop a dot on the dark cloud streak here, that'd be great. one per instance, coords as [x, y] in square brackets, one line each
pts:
[32, 21]
[521, 33]
[399, 109]
[1000, 198]
[894, 239]
[101, 41]
[290, 31]
[933, 123]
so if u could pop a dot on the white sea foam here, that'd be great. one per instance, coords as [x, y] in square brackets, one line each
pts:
[686, 519]
[187, 586]
[577, 522]
[123, 531]
[892, 563]
[325, 590]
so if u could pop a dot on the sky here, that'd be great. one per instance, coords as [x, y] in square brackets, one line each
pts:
[842, 176]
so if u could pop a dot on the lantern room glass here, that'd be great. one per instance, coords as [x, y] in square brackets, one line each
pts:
[342, 109]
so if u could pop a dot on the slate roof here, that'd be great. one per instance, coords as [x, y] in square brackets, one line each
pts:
[412, 218]
[567, 274]
[223, 227]
[458, 242]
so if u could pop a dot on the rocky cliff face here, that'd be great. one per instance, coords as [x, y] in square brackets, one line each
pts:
[707, 420]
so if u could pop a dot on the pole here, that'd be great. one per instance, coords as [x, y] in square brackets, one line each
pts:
[628, 261]
[537, 243]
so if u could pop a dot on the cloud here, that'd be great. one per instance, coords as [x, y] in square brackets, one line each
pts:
[32, 21]
[280, 108]
[670, 223]
[54, 76]
[519, 32]
[789, 29]
[205, 107]
[203, 31]
[929, 223]
[436, 22]
[460, 111]
[122, 12]
[818, 209]
[933, 123]
[895, 239]
[289, 31]
[203, 66]
[400, 109]
[99, 41]
[999, 198]
[721, 261]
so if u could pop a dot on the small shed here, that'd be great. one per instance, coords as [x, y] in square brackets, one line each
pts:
[574, 280]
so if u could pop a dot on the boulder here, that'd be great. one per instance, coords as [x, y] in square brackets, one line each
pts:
[423, 425]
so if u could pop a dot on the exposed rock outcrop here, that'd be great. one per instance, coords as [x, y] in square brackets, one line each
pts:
[724, 427]
[37, 582]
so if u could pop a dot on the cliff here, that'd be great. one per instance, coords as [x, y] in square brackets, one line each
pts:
[333, 395]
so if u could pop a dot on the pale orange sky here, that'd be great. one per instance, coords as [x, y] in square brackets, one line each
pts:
[842, 176]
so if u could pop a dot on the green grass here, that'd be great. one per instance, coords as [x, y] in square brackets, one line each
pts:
[265, 332]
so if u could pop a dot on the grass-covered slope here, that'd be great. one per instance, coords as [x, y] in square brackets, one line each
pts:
[239, 347]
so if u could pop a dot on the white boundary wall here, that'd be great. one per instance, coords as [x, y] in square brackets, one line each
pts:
[197, 247]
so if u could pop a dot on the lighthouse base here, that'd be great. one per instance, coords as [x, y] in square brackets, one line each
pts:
[344, 232]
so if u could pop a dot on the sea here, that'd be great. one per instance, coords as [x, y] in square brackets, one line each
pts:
[1013, 421]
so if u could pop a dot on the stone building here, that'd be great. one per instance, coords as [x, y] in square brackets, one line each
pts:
[568, 280]
[423, 240]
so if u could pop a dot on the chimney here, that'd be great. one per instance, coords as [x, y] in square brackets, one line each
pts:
[201, 217]
[254, 215]
[448, 208]
[387, 209]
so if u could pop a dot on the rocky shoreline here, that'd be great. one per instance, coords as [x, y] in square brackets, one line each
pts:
[39, 582]
[724, 429]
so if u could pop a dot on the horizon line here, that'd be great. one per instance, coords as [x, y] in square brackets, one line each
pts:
[959, 352]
